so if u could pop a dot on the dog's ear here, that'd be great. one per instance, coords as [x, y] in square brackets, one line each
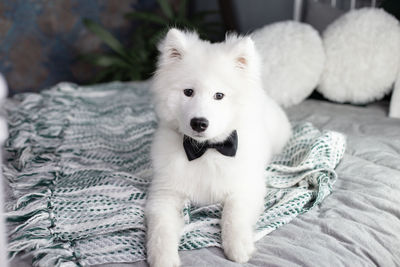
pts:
[174, 45]
[243, 50]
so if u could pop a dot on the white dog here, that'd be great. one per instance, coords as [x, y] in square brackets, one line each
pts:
[217, 131]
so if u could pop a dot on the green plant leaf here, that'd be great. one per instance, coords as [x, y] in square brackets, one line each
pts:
[182, 9]
[147, 16]
[107, 61]
[201, 15]
[134, 75]
[157, 37]
[102, 76]
[105, 36]
[166, 8]
[138, 60]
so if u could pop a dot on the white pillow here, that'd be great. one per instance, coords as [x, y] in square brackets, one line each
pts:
[293, 58]
[3, 88]
[362, 50]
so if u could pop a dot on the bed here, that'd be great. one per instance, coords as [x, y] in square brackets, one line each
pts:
[357, 225]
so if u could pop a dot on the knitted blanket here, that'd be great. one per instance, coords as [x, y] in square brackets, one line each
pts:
[79, 167]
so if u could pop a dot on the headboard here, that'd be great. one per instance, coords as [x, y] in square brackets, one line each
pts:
[320, 13]
[242, 17]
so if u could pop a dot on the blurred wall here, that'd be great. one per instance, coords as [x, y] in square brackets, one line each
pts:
[321, 13]
[253, 14]
[40, 40]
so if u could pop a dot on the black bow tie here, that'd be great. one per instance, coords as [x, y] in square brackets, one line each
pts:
[196, 149]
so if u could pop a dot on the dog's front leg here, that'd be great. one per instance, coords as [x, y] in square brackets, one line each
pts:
[238, 219]
[164, 225]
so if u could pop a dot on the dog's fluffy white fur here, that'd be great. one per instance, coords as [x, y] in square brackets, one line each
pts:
[293, 59]
[362, 56]
[231, 68]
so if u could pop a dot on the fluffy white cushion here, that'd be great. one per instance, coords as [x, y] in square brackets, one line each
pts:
[3, 133]
[293, 57]
[3, 88]
[362, 50]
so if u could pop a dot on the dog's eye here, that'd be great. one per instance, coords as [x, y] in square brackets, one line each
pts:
[188, 92]
[218, 96]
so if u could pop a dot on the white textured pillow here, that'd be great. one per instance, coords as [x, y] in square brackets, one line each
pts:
[293, 58]
[3, 88]
[362, 50]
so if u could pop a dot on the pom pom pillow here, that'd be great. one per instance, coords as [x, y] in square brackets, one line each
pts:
[293, 57]
[362, 50]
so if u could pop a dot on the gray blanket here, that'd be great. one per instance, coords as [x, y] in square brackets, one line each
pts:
[359, 224]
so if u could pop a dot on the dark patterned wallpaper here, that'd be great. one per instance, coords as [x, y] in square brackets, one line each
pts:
[40, 40]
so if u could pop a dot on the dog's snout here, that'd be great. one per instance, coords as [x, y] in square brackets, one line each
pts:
[199, 124]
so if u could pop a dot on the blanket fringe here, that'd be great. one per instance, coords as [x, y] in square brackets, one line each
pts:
[32, 173]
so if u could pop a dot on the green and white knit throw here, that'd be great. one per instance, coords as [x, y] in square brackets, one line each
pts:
[79, 166]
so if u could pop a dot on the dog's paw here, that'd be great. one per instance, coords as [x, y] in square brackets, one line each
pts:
[238, 248]
[164, 260]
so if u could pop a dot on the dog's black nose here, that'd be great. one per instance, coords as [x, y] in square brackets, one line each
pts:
[199, 124]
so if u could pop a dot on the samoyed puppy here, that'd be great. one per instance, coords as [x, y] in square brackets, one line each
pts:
[217, 132]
